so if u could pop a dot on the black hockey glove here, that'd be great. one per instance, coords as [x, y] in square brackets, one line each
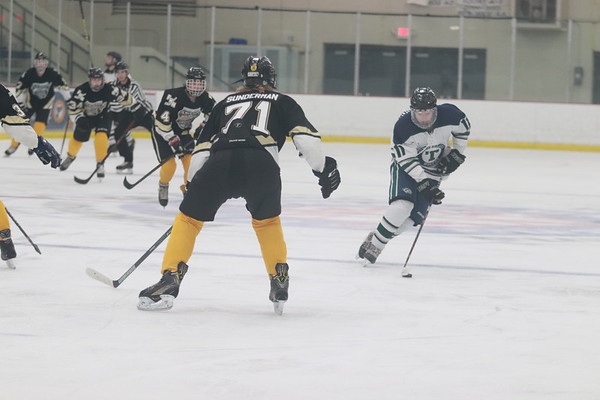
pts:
[430, 189]
[329, 179]
[176, 145]
[47, 153]
[451, 162]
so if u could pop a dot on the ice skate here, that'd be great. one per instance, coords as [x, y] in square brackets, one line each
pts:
[280, 283]
[66, 162]
[163, 194]
[126, 168]
[368, 252]
[11, 150]
[7, 248]
[160, 296]
[100, 171]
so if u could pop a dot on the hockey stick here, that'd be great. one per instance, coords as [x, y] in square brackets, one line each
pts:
[406, 270]
[65, 134]
[92, 273]
[129, 185]
[23, 232]
[98, 165]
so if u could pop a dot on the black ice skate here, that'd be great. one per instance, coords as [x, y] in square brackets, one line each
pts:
[160, 296]
[163, 194]
[126, 168]
[280, 282]
[66, 163]
[11, 150]
[368, 252]
[100, 170]
[7, 248]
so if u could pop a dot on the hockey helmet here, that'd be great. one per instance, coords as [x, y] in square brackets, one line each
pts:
[40, 61]
[40, 56]
[94, 74]
[423, 98]
[122, 66]
[423, 107]
[258, 71]
[115, 55]
[195, 81]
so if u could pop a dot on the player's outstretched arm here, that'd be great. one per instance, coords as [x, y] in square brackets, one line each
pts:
[47, 153]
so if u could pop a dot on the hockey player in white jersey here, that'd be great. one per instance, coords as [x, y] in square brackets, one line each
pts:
[428, 144]
[16, 124]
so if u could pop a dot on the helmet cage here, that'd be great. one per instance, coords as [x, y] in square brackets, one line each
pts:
[424, 119]
[40, 64]
[195, 87]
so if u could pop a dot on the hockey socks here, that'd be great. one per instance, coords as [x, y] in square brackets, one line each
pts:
[181, 243]
[101, 145]
[272, 245]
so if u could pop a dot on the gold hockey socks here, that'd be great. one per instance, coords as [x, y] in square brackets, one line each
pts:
[101, 145]
[181, 243]
[39, 128]
[74, 147]
[185, 161]
[272, 245]
[4, 224]
[167, 171]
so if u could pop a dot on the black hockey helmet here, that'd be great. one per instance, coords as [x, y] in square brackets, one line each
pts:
[423, 98]
[115, 55]
[40, 61]
[195, 73]
[122, 66]
[40, 56]
[195, 81]
[423, 108]
[94, 73]
[259, 71]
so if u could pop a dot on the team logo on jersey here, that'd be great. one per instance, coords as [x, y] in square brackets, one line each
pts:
[430, 154]
[186, 116]
[253, 67]
[94, 108]
[41, 90]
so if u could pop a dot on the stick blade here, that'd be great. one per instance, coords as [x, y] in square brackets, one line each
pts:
[82, 181]
[127, 184]
[35, 246]
[92, 273]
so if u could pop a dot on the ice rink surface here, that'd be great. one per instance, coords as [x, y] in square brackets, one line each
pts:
[504, 303]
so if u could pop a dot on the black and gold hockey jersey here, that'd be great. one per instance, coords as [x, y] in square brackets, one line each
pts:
[13, 120]
[272, 117]
[176, 112]
[86, 103]
[36, 92]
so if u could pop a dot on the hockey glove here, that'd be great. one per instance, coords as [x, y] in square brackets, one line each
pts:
[430, 189]
[451, 162]
[175, 143]
[46, 153]
[329, 179]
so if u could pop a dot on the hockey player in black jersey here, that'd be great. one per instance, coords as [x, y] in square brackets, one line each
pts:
[428, 144]
[236, 156]
[89, 106]
[15, 122]
[125, 118]
[35, 93]
[178, 109]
